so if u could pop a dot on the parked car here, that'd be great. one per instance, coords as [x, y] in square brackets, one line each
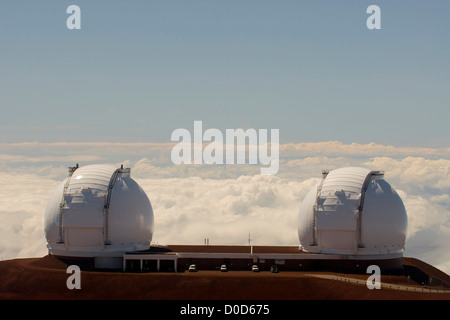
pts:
[255, 268]
[274, 269]
[223, 268]
[192, 268]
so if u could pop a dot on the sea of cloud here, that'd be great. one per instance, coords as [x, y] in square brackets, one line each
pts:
[225, 203]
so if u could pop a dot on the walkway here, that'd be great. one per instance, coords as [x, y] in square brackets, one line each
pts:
[383, 285]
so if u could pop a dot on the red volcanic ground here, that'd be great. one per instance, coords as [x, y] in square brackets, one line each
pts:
[45, 278]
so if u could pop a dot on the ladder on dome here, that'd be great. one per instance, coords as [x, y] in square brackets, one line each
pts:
[315, 208]
[111, 183]
[364, 188]
[63, 203]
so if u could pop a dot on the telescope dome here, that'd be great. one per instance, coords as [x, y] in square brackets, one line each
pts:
[353, 211]
[97, 210]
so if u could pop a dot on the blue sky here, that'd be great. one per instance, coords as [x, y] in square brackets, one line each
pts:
[138, 70]
[114, 91]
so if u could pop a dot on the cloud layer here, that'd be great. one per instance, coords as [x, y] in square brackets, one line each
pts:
[225, 203]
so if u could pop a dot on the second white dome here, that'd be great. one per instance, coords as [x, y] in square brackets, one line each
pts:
[353, 211]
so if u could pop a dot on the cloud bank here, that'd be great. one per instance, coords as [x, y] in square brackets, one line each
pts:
[225, 203]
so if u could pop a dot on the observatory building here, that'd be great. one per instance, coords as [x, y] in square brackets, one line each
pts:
[98, 212]
[351, 219]
[354, 213]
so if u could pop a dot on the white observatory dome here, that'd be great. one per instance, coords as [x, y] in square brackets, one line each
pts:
[353, 211]
[97, 211]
